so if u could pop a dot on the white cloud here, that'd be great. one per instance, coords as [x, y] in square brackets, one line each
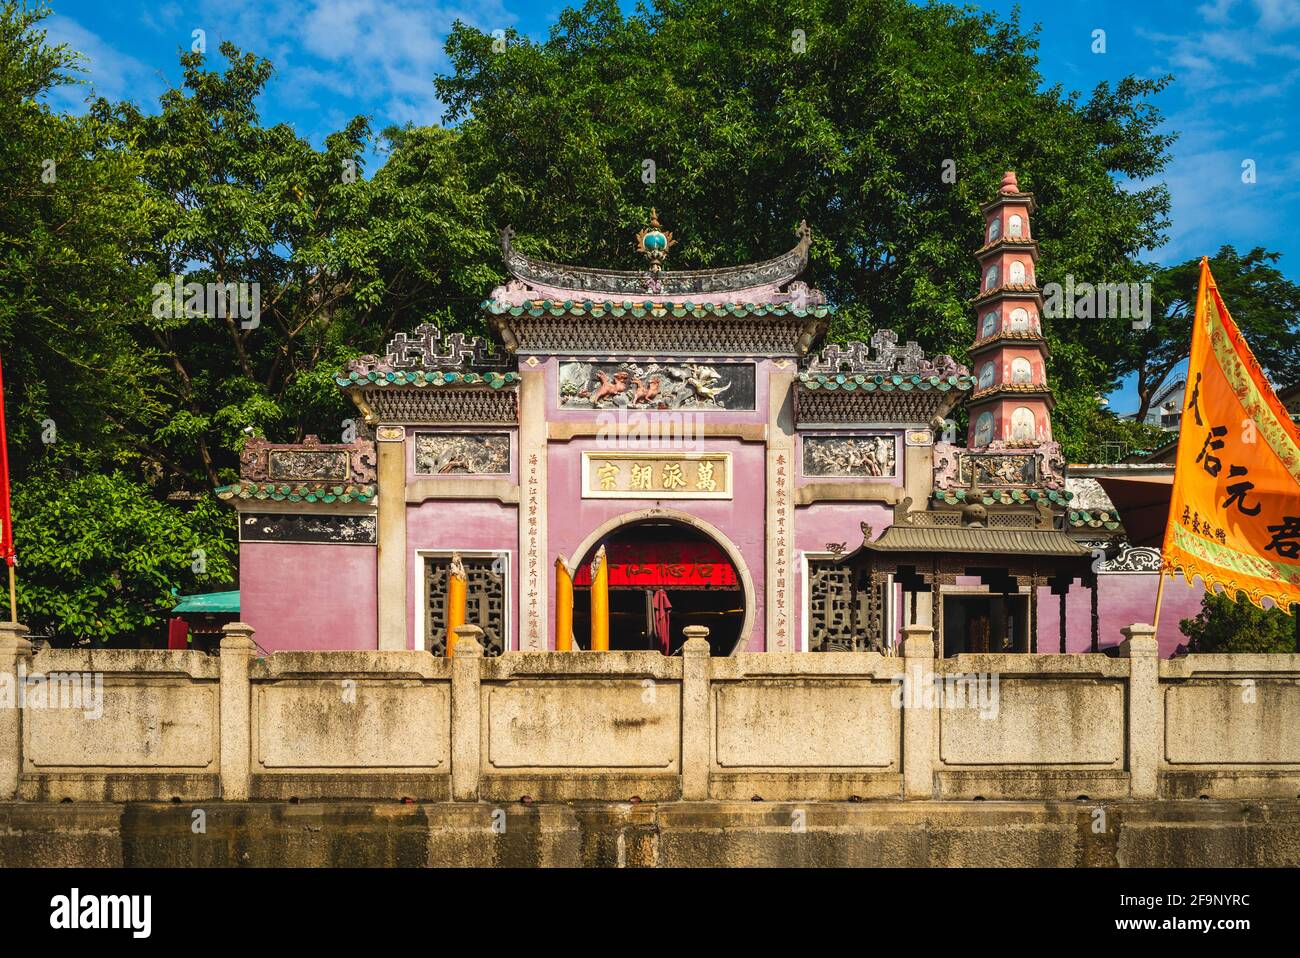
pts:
[109, 72]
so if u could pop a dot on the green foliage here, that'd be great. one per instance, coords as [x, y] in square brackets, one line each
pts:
[1225, 625]
[70, 226]
[1264, 304]
[748, 137]
[102, 559]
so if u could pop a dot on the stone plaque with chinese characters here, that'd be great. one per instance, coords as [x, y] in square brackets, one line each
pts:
[655, 475]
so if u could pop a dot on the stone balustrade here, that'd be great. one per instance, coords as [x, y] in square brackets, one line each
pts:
[618, 725]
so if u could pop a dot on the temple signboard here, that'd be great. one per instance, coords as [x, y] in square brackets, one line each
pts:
[633, 475]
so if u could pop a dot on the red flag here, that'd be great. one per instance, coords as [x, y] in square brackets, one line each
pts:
[6, 518]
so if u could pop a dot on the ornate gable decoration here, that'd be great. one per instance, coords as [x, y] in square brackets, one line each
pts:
[538, 281]
[889, 359]
[308, 461]
[427, 350]
[883, 384]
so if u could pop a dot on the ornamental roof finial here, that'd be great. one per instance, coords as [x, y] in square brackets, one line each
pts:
[1009, 184]
[654, 243]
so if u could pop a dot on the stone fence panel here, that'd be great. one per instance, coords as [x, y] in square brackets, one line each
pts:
[132, 725]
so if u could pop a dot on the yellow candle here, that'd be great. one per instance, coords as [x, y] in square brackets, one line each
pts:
[563, 607]
[600, 602]
[457, 600]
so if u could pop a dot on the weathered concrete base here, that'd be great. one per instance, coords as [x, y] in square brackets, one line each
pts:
[682, 834]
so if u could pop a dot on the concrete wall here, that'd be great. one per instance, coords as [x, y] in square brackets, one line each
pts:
[622, 725]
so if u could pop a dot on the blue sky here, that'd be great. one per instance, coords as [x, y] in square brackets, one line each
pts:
[1236, 94]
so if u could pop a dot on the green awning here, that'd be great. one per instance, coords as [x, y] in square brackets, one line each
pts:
[210, 602]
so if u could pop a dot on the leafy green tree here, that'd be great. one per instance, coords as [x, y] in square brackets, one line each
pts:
[101, 559]
[1264, 304]
[756, 114]
[1228, 625]
[77, 384]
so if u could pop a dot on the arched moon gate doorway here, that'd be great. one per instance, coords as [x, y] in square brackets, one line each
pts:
[665, 574]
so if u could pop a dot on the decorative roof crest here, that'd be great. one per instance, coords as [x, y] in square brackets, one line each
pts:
[890, 358]
[426, 349]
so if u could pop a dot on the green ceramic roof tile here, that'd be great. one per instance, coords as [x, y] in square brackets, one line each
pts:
[1004, 497]
[297, 492]
[851, 382]
[404, 377]
[543, 307]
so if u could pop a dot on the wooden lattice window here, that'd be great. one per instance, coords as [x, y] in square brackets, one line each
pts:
[486, 600]
[830, 606]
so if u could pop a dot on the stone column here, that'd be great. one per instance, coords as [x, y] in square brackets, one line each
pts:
[391, 522]
[237, 651]
[15, 665]
[917, 717]
[534, 561]
[779, 589]
[1145, 726]
[697, 667]
[466, 672]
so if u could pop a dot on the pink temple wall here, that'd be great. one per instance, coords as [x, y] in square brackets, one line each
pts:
[1123, 599]
[571, 518]
[313, 596]
[464, 525]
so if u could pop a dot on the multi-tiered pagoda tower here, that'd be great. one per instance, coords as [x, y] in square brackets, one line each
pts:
[1012, 404]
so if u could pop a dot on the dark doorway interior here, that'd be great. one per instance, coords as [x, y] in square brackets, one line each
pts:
[985, 623]
[700, 583]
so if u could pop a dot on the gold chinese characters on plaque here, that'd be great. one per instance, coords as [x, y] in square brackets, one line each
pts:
[656, 475]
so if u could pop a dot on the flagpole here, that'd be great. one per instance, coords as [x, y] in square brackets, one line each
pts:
[1160, 594]
[13, 598]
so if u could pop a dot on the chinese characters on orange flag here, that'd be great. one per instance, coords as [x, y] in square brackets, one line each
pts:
[1234, 516]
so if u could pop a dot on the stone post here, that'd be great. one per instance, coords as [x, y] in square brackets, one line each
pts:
[466, 671]
[917, 716]
[237, 651]
[697, 668]
[15, 664]
[1144, 721]
[390, 519]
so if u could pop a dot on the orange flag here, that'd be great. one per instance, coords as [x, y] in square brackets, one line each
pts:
[1234, 516]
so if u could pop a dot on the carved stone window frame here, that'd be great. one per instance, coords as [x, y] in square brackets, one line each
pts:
[422, 589]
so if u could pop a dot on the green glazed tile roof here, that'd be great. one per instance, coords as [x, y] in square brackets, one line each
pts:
[297, 492]
[849, 382]
[1094, 519]
[405, 377]
[209, 602]
[586, 307]
[1002, 496]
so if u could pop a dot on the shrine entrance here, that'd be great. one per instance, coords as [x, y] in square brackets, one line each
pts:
[664, 575]
[985, 623]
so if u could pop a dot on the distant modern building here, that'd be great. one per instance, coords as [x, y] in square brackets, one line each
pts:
[1166, 409]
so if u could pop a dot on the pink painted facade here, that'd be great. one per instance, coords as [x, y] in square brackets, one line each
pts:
[303, 596]
[522, 451]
